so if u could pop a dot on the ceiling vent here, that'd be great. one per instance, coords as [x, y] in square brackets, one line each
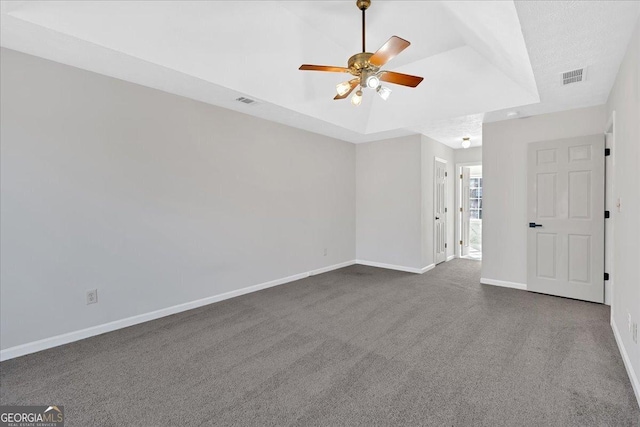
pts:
[573, 76]
[247, 101]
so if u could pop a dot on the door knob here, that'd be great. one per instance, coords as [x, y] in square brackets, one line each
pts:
[437, 217]
[534, 225]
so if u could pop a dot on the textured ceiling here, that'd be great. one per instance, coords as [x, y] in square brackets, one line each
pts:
[566, 35]
[451, 131]
[560, 36]
[479, 59]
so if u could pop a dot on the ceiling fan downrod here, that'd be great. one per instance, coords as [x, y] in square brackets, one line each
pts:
[363, 5]
[366, 67]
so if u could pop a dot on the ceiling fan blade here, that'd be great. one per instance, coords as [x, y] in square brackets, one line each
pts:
[401, 79]
[308, 67]
[388, 51]
[354, 84]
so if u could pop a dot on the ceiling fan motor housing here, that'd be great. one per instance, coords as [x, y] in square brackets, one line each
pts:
[365, 66]
[360, 62]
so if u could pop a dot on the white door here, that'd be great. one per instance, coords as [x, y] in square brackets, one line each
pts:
[565, 244]
[440, 215]
[465, 212]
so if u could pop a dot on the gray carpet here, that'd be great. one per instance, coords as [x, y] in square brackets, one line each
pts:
[357, 346]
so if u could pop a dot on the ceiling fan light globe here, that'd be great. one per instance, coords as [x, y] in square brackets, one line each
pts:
[373, 81]
[343, 88]
[384, 92]
[357, 98]
[466, 143]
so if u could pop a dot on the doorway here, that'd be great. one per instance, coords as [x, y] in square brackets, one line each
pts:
[469, 223]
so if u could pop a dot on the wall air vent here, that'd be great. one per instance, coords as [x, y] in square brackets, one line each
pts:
[573, 76]
[246, 100]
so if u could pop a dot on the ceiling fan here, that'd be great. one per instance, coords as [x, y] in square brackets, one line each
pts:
[366, 67]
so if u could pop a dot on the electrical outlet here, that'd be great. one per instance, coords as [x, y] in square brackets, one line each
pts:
[325, 251]
[92, 296]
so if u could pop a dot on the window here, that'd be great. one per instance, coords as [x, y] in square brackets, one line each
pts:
[475, 198]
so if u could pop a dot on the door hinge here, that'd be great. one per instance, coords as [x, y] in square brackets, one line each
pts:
[445, 246]
[607, 152]
[460, 176]
[445, 209]
[460, 209]
[607, 214]
[460, 242]
[606, 276]
[445, 174]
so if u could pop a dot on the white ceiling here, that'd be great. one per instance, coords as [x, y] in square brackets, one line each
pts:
[479, 59]
[566, 35]
[560, 36]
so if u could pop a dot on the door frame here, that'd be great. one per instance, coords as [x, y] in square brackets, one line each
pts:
[458, 222]
[609, 225]
[435, 189]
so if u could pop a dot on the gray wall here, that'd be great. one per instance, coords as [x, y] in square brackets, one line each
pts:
[394, 199]
[504, 170]
[625, 101]
[388, 195]
[154, 199]
[469, 155]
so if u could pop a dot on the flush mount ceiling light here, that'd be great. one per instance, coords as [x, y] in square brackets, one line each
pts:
[466, 142]
[366, 67]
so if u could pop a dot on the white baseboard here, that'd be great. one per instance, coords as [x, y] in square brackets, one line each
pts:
[450, 257]
[503, 283]
[427, 268]
[627, 361]
[396, 267]
[58, 340]
[332, 267]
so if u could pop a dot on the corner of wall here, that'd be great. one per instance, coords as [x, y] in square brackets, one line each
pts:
[624, 99]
